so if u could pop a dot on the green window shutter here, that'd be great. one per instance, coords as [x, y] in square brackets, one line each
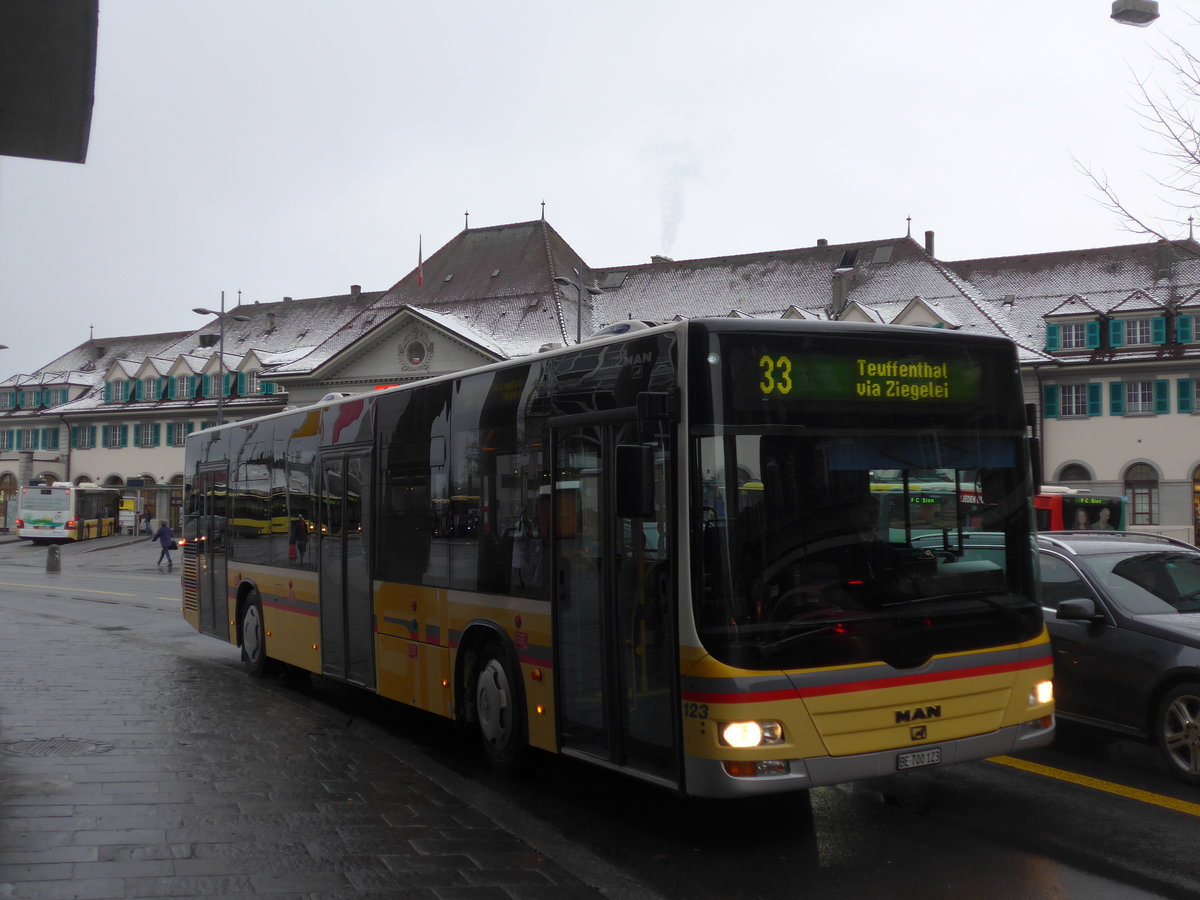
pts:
[1053, 338]
[108, 392]
[74, 437]
[226, 383]
[241, 384]
[137, 391]
[92, 434]
[137, 434]
[1094, 402]
[171, 434]
[268, 387]
[1116, 333]
[50, 439]
[1162, 396]
[191, 386]
[35, 439]
[204, 385]
[191, 426]
[1158, 330]
[156, 434]
[170, 386]
[124, 436]
[1184, 394]
[1184, 329]
[1116, 398]
[1050, 401]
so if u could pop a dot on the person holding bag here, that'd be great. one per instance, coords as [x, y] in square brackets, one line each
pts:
[166, 538]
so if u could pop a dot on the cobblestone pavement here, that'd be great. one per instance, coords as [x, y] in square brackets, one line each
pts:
[147, 764]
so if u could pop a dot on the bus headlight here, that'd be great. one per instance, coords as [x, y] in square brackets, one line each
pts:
[1042, 693]
[743, 735]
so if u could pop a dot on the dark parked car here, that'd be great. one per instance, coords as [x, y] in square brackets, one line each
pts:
[1123, 611]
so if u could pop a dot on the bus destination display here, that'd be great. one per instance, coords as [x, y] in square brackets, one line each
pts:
[900, 380]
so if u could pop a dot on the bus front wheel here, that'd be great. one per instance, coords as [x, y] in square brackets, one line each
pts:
[499, 710]
[254, 638]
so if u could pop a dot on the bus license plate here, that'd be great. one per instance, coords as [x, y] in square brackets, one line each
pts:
[919, 758]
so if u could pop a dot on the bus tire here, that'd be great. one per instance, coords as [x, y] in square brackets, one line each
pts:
[254, 638]
[1177, 731]
[499, 709]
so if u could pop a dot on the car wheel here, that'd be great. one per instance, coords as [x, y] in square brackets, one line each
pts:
[499, 711]
[254, 638]
[1177, 731]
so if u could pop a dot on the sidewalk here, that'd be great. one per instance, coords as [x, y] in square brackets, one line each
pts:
[140, 761]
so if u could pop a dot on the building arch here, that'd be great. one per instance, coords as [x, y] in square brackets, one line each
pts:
[1075, 471]
[83, 478]
[114, 481]
[49, 477]
[1141, 481]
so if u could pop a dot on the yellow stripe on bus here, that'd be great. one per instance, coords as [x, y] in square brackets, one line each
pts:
[1121, 790]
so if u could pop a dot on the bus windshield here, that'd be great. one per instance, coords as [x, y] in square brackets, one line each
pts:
[836, 548]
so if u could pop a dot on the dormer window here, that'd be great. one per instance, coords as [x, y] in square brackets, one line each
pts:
[1073, 336]
[1144, 331]
[149, 388]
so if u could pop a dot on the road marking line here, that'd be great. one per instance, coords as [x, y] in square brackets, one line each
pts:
[1183, 806]
[75, 590]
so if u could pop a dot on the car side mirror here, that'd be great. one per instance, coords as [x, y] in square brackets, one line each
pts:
[1080, 610]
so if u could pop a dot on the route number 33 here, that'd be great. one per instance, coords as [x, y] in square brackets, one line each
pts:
[776, 374]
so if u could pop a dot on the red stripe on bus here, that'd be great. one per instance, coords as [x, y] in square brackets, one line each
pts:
[286, 608]
[872, 685]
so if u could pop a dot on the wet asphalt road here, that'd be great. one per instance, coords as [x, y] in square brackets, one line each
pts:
[139, 761]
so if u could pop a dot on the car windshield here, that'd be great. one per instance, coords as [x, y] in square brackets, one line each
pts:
[1157, 582]
[843, 548]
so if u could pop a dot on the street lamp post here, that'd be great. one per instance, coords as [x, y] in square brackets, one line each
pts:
[577, 283]
[221, 317]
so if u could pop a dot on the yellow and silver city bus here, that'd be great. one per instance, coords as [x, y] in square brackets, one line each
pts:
[67, 512]
[668, 564]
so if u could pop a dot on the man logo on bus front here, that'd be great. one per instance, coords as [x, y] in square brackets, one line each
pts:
[919, 732]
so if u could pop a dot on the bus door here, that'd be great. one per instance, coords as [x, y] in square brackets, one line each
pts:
[347, 614]
[210, 493]
[615, 657]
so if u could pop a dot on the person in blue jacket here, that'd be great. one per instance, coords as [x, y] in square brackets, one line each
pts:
[166, 538]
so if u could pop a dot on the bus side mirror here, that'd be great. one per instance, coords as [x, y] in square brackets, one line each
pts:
[635, 481]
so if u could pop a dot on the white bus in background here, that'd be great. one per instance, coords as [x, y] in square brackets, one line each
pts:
[66, 512]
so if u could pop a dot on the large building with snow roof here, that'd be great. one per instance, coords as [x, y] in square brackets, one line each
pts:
[1107, 339]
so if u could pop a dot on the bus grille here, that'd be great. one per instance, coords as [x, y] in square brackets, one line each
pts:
[191, 583]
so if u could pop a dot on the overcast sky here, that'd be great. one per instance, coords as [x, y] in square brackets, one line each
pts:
[294, 147]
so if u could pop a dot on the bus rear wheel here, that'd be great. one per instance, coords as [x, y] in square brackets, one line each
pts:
[499, 710]
[254, 638]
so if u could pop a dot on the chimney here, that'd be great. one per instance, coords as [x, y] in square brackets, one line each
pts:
[1165, 268]
[659, 260]
[822, 242]
[929, 242]
[841, 290]
[270, 321]
[355, 291]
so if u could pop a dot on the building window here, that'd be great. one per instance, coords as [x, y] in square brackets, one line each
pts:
[1139, 397]
[1074, 472]
[1073, 400]
[87, 437]
[1141, 486]
[1137, 331]
[149, 388]
[1073, 336]
[252, 386]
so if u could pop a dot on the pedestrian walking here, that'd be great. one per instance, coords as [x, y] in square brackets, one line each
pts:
[146, 519]
[166, 539]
